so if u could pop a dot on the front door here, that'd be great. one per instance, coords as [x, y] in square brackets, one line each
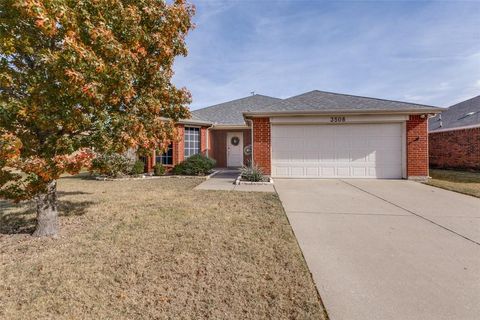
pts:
[234, 149]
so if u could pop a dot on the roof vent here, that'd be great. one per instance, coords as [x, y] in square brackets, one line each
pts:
[441, 124]
[466, 115]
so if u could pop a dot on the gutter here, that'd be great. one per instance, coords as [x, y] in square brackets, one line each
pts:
[473, 126]
[337, 112]
[229, 126]
[191, 121]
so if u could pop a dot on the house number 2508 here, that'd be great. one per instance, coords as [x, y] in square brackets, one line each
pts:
[337, 119]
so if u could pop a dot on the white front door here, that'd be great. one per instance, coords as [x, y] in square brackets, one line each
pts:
[234, 149]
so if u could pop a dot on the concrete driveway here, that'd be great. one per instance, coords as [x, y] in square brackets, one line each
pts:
[388, 249]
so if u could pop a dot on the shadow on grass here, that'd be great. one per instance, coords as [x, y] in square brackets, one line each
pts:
[70, 193]
[23, 219]
[82, 175]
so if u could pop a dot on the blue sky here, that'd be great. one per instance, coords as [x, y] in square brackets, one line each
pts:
[419, 51]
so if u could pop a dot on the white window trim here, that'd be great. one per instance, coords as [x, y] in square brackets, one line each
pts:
[185, 140]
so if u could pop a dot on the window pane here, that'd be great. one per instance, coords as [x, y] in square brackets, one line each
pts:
[192, 141]
[165, 158]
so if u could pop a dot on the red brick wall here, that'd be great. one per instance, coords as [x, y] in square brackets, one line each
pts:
[417, 146]
[149, 165]
[178, 146]
[203, 140]
[261, 143]
[455, 149]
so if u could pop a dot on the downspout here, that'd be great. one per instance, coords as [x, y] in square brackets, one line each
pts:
[208, 141]
[251, 140]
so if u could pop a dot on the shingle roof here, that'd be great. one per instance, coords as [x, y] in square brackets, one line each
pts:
[465, 113]
[335, 102]
[231, 112]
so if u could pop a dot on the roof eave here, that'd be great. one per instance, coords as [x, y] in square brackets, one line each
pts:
[220, 126]
[194, 122]
[336, 112]
[473, 126]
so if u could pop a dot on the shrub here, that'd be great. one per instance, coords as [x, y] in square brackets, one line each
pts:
[138, 167]
[111, 164]
[194, 166]
[158, 169]
[252, 173]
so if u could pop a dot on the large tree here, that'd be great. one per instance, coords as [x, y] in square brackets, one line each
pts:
[77, 75]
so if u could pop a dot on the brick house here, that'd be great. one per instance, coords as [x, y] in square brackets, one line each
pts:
[454, 136]
[313, 135]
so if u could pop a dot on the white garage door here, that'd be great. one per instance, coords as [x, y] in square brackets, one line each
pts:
[337, 151]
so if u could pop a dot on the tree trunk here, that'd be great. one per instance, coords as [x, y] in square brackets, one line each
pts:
[47, 214]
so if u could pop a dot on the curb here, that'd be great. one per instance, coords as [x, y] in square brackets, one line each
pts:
[239, 181]
[148, 177]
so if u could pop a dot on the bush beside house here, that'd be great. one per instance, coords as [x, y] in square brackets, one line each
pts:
[196, 165]
[158, 169]
[252, 173]
[112, 165]
[138, 167]
[115, 165]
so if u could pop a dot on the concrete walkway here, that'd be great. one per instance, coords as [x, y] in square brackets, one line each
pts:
[388, 249]
[224, 180]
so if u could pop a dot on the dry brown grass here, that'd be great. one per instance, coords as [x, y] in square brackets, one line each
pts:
[460, 181]
[155, 249]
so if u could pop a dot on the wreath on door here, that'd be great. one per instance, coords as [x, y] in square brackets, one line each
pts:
[235, 141]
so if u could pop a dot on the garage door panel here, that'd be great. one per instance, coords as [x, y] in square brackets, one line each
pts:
[389, 155]
[361, 144]
[388, 159]
[342, 155]
[281, 171]
[384, 143]
[358, 156]
[386, 172]
[327, 171]
[312, 157]
[322, 131]
[288, 144]
[359, 172]
[343, 172]
[335, 151]
[327, 156]
[312, 171]
[320, 143]
[281, 156]
[297, 171]
[311, 130]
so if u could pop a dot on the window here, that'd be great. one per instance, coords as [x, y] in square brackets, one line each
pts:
[192, 141]
[165, 158]
[143, 159]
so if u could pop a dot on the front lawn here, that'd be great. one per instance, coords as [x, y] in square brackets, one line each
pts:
[460, 181]
[155, 249]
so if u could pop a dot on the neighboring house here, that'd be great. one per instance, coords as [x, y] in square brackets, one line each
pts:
[455, 136]
[313, 135]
